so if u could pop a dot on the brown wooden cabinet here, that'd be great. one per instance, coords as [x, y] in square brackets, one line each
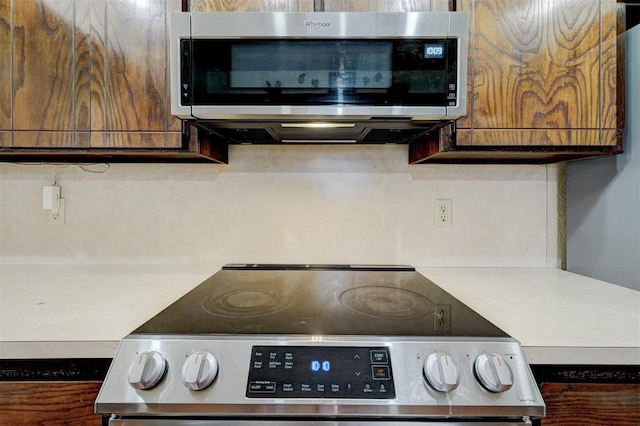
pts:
[599, 395]
[89, 74]
[49, 403]
[544, 83]
[87, 79]
[386, 5]
[596, 404]
[5, 76]
[251, 5]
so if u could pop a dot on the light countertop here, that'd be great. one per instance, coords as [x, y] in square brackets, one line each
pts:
[559, 317]
[82, 311]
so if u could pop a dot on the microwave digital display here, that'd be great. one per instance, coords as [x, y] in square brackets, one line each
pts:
[434, 50]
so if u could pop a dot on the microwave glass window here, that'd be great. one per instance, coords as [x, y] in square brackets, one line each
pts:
[319, 65]
[331, 72]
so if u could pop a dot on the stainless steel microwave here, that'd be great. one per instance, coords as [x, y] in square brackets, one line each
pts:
[296, 67]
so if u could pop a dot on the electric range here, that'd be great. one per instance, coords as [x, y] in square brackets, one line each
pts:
[319, 344]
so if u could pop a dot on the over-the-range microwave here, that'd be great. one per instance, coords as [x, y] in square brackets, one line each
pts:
[252, 77]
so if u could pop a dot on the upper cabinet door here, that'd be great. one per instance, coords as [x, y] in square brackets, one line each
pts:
[251, 6]
[135, 64]
[86, 74]
[128, 62]
[5, 77]
[546, 66]
[43, 68]
[386, 5]
[536, 64]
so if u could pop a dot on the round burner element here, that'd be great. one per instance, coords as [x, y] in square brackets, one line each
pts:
[386, 302]
[248, 302]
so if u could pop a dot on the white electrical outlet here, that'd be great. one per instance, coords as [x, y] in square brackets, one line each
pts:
[57, 217]
[443, 213]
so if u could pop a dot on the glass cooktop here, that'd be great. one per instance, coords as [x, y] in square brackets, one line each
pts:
[319, 300]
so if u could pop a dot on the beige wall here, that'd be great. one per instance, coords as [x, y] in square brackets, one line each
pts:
[314, 204]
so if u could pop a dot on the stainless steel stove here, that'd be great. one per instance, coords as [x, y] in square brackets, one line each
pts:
[319, 344]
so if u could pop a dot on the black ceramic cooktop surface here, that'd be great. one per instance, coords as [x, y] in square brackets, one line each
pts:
[319, 300]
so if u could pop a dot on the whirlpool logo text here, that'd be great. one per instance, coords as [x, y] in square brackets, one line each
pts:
[317, 24]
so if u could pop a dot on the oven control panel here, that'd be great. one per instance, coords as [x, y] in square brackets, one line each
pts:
[320, 372]
[266, 377]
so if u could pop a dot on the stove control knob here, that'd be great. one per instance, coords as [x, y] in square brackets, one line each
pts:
[199, 370]
[441, 373]
[493, 373]
[147, 370]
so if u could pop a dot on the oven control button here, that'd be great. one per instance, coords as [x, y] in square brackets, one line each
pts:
[441, 372]
[493, 373]
[147, 370]
[199, 370]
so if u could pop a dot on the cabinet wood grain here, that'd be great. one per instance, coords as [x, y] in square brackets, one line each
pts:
[86, 74]
[252, 5]
[591, 403]
[612, 72]
[5, 69]
[536, 64]
[544, 80]
[535, 137]
[135, 64]
[43, 67]
[548, 67]
[386, 5]
[49, 403]
[135, 61]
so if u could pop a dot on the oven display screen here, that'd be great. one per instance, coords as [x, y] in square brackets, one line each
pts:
[320, 372]
[318, 365]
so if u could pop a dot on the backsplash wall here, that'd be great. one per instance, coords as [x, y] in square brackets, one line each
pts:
[310, 204]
